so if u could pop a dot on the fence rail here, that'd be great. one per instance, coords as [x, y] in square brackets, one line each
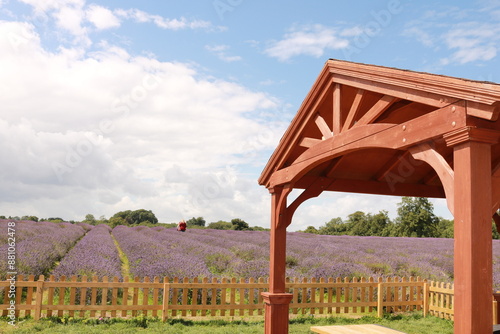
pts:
[171, 297]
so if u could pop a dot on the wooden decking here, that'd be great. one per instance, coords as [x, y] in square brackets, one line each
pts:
[354, 329]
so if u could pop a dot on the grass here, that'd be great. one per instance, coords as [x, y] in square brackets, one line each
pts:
[411, 323]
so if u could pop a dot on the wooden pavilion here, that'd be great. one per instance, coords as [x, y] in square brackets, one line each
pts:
[378, 130]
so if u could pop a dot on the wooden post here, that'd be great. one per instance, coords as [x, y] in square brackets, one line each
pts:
[380, 300]
[276, 300]
[426, 299]
[166, 297]
[39, 297]
[473, 247]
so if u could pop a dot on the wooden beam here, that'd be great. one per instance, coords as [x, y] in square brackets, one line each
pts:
[309, 142]
[390, 165]
[425, 152]
[394, 188]
[354, 110]
[337, 112]
[397, 137]
[495, 190]
[473, 248]
[323, 127]
[371, 115]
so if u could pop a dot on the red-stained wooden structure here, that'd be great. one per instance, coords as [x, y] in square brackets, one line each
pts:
[378, 130]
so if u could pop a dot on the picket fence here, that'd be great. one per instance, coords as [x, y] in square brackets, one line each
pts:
[79, 296]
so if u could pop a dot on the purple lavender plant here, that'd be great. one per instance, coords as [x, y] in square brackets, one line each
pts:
[39, 245]
[95, 254]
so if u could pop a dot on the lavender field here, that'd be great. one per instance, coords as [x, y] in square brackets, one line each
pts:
[66, 249]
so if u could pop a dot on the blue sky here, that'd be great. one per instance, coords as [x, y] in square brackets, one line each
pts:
[175, 106]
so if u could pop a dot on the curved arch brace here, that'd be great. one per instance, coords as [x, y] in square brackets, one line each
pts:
[495, 189]
[426, 153]
[314, 190]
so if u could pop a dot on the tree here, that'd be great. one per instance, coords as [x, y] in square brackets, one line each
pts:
[141, 216]
[445, 228]
[357, 224]
[311, 229]
[31, 218]
[136, 217]
[239, 225]
[416, 218]
[220, 225]
[334, 227]
[196, 221]
[115, 221]
[90, 219]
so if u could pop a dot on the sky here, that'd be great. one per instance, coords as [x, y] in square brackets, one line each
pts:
[176, 106]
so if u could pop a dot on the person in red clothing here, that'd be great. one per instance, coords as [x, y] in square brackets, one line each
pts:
[182, 226]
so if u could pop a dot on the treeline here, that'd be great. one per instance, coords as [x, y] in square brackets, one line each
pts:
[147, 218]
[415, 218]
[236, 224]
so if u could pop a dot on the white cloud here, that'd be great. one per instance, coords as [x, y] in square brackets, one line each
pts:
[102, 18]
[221, 52]
[164, 23]
[466, 35]
[473, 42]
[311, 40]
[98, 133]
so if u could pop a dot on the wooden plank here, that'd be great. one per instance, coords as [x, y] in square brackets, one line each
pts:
[338, 294]
[378, 109]
[312, 293]
[104, 296]
[83, 295]
[242, 297]
[261, 301]
[354, 110]
[93, 296]
[114, 298]
[166, 300]
[232, 296]
[39, 297]
[336, 110]
[175, 296]
[145, 295]
[135, 298]
[29, 294]
[321, 295]
[354, 329]
[72, 295]
[62, 294]
[156, 280]
[194, 297]
[19, 294]
[323, 127]
[125, 295]
[204, 293]
[329, 295]
[50, 296]
[214, 295]
[251, 296]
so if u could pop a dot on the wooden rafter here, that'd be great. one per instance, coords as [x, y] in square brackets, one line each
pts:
[309, 142]
[371, 115]
[323, 127]
[354, 110]
[337, 112]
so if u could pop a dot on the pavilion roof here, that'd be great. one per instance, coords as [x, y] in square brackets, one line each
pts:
[362, 127]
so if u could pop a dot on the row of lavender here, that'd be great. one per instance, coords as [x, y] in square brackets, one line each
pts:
[38, 246]
[165, 252]
[162, 252]
[94, 255]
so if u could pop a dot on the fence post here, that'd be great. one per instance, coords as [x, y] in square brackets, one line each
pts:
[426, 298]
[380, 300]
[166, 297]
[39, 297]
